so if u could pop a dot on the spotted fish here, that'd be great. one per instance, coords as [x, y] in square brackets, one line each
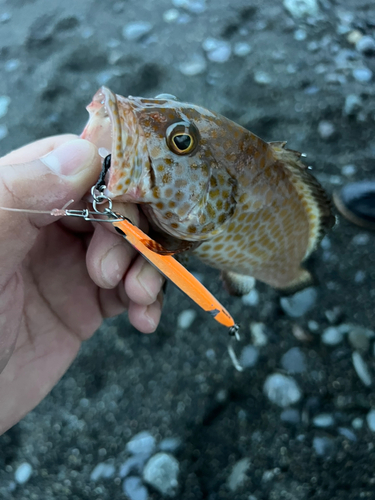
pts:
[245, 206]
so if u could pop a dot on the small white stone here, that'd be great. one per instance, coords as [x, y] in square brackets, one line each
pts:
[323, 420]
[136, 30]
[282, 390]
[12, 65]
[302, 8]
[186, 318]
[362, 369]
[300, 303]
[348, 170]
[237, 477]
[326, 129]
[221, 54]
[362, 75]
[241, 49]
[171, 15]
[4, 104]
[300, 35]
[161, 472]
[357, 423]
[258, 334]
[249, 356]
[251, 298]
[262, 78]
[102, 471]
[3, 131]
[23, 473]
[195, 66]
[332, 336]
[142, 443]
[134, 489]
[370, 417]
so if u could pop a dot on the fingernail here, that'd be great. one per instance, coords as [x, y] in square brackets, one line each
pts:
[70, 158]
[113, 265]
[150, 279]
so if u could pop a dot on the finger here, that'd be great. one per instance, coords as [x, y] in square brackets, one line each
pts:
[143, 282]
[110, 303]
[51, 181]
[146, 318]
[36, 149]
[108, 257]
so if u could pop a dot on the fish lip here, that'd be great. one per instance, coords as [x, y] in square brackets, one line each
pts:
[114, 126]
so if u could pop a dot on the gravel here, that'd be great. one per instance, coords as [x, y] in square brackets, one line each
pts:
[282, 390]
[161, 472]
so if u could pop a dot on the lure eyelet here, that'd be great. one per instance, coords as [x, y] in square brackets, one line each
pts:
[182, 138]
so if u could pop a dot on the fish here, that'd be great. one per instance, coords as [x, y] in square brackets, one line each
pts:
[207, 185]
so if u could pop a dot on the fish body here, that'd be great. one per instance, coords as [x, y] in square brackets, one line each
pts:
[246, 207]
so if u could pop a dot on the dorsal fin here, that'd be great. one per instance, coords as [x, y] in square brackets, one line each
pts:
[320, 213]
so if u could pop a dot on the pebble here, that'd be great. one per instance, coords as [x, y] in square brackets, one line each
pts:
[134, 489]
[344, 431]
[241, 49]
[370, 418]
[217, 50]
[282, 390]
[5, 17]
[251, 298]
[186, 318]
[142, 443]
[161, 472]
[133, 464]
[238, 476]
[354, 36]
[249, 356]
[136, 30]
[361, 239]
[193, 6]
[326, 129]
[353, 104]
[323, 446]
[332, 336]
[171, 15]
[300, 303]
[3, 131]
[171, 444]
[23, 473]
[366, 45]
[323, 420]
[12, 65]
[300, 35]
[294, 361]
[262, 78]
[102, 470]
[258, 334]
[195, 66]
[357, 423]
[359, 337]
[290, 416]
[348, 170]
[362, 75]
[361, 368]
[4, 104]
[301, 8]
[313, 326]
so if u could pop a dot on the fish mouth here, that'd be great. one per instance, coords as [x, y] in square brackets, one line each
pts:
[113, 126]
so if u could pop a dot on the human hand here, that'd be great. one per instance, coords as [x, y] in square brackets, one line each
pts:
[59, 278]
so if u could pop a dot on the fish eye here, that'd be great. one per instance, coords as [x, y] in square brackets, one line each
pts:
[182, 138]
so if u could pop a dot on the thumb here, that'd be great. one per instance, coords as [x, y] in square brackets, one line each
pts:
[49, 182]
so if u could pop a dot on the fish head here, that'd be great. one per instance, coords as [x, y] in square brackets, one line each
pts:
[168, 156]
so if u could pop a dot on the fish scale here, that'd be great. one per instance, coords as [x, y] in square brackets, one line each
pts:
[250, 207]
